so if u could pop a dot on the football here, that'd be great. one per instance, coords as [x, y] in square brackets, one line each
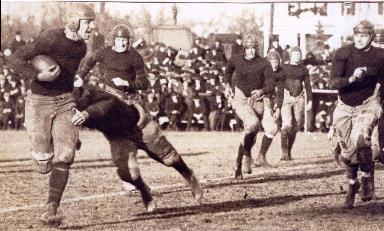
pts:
[43, 63]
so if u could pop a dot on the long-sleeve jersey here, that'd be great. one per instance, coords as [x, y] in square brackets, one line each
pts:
[344, 63]
[295, 76]
[107, 114]
[279, 77]
[254, 74]
[128, 65]
[65, 52]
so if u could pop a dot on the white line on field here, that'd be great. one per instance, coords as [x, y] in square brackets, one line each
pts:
[155, 188]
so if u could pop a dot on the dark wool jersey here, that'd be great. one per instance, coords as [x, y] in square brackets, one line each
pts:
[344, 63]
[295, 76]
[279, 77]
[250, 75]
[53, 43]
[107, 114]
[128, 65]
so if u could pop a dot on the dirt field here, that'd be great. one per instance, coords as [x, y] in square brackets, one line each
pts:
[304, 194]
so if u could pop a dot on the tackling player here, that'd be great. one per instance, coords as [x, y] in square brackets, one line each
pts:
[125, 124]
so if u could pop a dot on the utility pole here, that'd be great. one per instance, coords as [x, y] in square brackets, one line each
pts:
[268, 27]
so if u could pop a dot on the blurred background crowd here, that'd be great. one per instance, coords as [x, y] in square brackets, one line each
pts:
[186, 87]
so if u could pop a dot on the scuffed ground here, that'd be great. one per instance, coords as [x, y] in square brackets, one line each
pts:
[304, 194]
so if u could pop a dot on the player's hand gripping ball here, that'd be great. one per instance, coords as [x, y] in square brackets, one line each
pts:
[48, 69]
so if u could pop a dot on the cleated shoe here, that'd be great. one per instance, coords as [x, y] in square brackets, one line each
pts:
[247, 164]
[285, 156]
[261, 161]
[351, 193]
[238, 173]
[195, 186]
[151, 206]
[78, 144]
[367, 190]
[147, 198]
[50, 216]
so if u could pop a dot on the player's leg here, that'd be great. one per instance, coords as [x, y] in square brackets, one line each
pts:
[353, 185]
[381, 136]
[286, 127]
[160, 149]
[270, 129]
[124, 154]
[251, 124]
[38, 121]
[361, 137]
[298, 112]
[64, 137]
[342, 120]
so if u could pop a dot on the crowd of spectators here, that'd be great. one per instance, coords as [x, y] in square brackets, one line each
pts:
[187, 89]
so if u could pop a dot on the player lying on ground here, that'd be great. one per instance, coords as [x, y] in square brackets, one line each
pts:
[118, 120]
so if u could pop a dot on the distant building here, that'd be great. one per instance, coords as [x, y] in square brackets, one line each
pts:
[178, 37]
[338, 20]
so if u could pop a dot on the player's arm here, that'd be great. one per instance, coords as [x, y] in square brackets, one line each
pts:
[307, 85]
[96, 104]
[338, 78]
[19, 61]
[280, 92]
[89, 63]
[229, 71]
[270, 80]
[141, 82]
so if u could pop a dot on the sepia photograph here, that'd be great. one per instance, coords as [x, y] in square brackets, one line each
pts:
[192, 115]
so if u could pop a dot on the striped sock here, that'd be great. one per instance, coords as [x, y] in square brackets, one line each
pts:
[57, 182]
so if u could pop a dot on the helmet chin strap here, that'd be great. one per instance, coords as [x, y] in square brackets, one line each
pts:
[120, 49]
[70, 34]
[249, 57]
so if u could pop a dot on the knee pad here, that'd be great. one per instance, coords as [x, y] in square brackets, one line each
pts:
[363, 141]
[43, 161]
[162, 149]
[252, 127]
[286, 129]
[170, 159]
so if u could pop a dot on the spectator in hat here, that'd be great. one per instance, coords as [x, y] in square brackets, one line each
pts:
[237, 47]
[275, 46]
[216, 114]
[200, 112]
[7, 111]
[17, 42]
[174, 108]
[188, 94]
[19, 113]
[152, 106]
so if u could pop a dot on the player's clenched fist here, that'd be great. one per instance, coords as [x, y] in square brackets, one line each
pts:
[358, 74]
